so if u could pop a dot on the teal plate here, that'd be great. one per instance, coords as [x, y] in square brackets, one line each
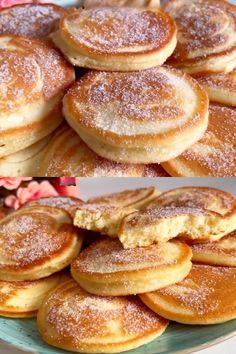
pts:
[182, 339]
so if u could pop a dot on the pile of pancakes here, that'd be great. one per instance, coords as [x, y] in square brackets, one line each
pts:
[138, 259]
[133, 82]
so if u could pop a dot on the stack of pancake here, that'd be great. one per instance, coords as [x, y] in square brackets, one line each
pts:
[146, 258]
[143, 100]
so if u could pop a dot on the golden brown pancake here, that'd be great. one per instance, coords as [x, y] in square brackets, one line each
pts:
[206, 35]
[34, 78]
[155, 170]
[68, 155]
[134, 3]
[23, 298]
[36, 242]
[116, 38]
[222, 252]
[139, 117]
[215, 154]
[205, 296]
[30, 20]
[106, 268]
[72, 319]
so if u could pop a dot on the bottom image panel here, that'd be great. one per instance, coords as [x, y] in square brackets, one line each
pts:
[136, 265]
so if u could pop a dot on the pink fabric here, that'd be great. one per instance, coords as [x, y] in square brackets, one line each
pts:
[12, 182]
[8, 3]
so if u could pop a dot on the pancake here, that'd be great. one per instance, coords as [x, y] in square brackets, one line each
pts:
[221, 87]
[101, 218]
[68, 155]
[21, 299]
[135, 198]
[134, 3]
[36, 242]
[206, 35]
[145, 227]
[30, 20]
[140, 117]
[34, 78]
[3, 212]
[155, 170]
[24, 162]
[143, 38]
[208, 198]
[205, 296]
[106, 269]
[74, 320]
[215, 154]
[222, 252]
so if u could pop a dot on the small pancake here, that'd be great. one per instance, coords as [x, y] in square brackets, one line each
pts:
[34, 78]
[143, 38]
[30, 20]
[145, 227]
[134, 3]
[101, 218]
[106, 268]
[74, 320]
[68, 155]
[155, 170]
[207, 198]
[205, 296]
[169, 115]
[206, 35]
[36, 242]
[135, 198]
[21, 299]
[222, 252]
[215, 154]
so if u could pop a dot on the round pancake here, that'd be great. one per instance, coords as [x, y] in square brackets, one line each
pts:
[170, 113]
[134, 3]
[30, 20]
[24, 162]
[143, 38]
[221, 87]
[206, 35]
[74, 320]
[212, 199]
[222, 252]
[34, 78]
[155, 170]
[215, 154]
[36, 242]
[106, 268]
[21, 299]
[68, 155]
[205, 296]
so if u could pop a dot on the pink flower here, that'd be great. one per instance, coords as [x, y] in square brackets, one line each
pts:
[65, 190]
[34, 190]
[12, 182]
[8, 3]
[67, 181]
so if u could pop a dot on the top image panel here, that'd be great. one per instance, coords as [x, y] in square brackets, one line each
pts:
[123, 88]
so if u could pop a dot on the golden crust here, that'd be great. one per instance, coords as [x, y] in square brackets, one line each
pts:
[134, 3]
[170, 115]
[36, 242]
[206, 35]
[30, 20]
[72, 319]
[213, 155]
[205, 296]
[84, 38]
[106, 269]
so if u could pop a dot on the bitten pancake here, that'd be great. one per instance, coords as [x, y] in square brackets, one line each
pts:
[134, 3]
[222, 252]
[106, 268]
[23, 298]
[140, 117]
[101, 218]
[34, 77]
[135, 198]
[205, 296]
[30, 20]
[208, 198]
[215, 154]
[36, 242]
[116, 38]
[72, 319]
[206, 35]
[68, 155]
[145, 227]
